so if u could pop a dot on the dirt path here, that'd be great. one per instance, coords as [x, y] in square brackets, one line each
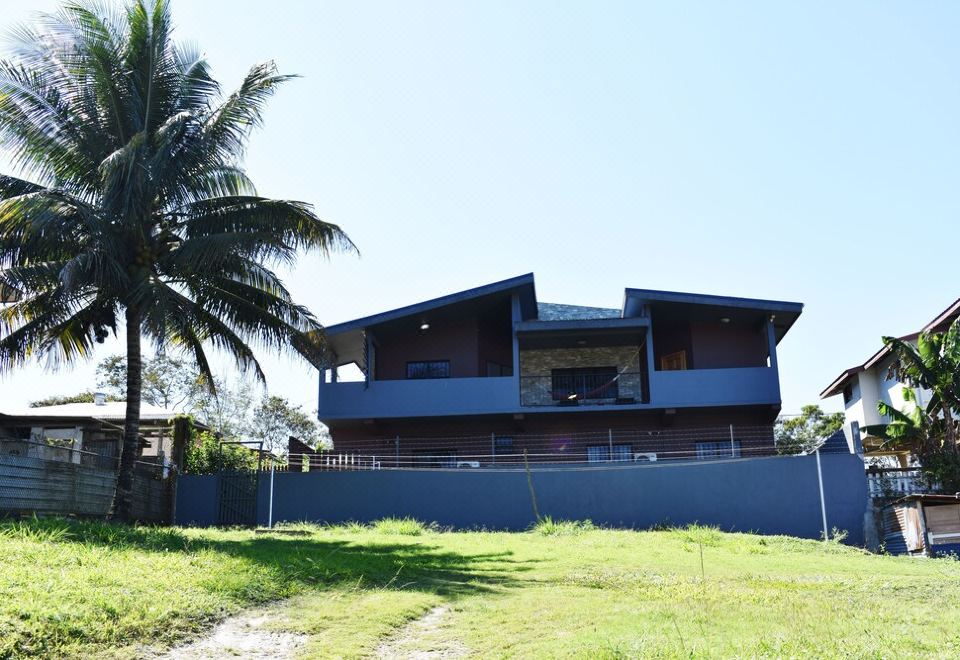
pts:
[247, 635]
[421, 640]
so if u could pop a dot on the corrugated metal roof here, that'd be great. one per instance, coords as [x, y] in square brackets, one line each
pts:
[111, 410]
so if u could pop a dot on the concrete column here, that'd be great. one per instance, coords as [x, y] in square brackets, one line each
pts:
[772, 342]
[651, 366]
[516, 318]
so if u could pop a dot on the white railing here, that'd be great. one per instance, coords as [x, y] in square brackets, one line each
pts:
[894, 482]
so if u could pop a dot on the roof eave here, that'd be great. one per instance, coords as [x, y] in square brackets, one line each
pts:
[436, 303]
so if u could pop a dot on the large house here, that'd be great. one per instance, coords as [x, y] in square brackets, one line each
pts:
[864, 385]
[479, 377]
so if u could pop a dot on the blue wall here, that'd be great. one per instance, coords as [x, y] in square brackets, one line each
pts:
[767, 495]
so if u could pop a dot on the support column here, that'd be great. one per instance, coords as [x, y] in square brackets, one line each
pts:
[516, 318]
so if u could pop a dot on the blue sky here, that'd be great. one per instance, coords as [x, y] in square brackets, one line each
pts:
[804, 151]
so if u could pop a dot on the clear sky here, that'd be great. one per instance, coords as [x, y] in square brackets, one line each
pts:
[795, 151]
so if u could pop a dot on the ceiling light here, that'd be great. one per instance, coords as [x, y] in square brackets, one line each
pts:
[725, 319]
[424, 326]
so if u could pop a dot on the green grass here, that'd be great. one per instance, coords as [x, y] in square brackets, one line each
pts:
[562, 589]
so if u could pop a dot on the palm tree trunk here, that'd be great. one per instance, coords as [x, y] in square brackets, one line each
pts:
[130, 450]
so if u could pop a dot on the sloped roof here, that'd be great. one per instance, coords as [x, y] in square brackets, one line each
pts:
[939, 324]
[111, 411]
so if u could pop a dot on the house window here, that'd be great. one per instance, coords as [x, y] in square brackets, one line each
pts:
[722, 449]
[674, 361]
[584, 383]
[601, 453]
[847, 393]
[431, 369]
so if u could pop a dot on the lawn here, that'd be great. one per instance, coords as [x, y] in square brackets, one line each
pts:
[85, 589]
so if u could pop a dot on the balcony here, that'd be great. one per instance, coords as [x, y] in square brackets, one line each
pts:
[417, 398]
[897, 482]
[583, 388]
[714, 387]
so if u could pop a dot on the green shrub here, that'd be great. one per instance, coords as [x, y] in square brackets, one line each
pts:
[942, 469]
[206, 455]
[547, 526]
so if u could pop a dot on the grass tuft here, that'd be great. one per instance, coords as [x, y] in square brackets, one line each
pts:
[400, 526]
[547, 526]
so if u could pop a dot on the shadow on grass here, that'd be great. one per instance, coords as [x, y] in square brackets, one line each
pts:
[309, 561]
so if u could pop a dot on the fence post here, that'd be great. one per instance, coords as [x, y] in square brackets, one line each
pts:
[493, 448]
[181, 432]
[823, 504]
[270, 508]
[733, 444]
[610, 442]
[396, 452]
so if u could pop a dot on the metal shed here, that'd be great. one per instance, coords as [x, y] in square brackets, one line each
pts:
[923, 525]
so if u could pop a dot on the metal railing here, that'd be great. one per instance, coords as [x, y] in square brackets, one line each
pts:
[583, 389]
[897, 482]
[618, 447]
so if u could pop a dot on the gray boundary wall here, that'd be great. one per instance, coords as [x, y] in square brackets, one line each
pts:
[776, 495]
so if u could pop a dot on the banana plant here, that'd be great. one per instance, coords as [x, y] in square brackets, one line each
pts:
[933, 365]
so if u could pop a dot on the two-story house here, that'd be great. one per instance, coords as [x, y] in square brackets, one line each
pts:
[479, 377]
[864, 385]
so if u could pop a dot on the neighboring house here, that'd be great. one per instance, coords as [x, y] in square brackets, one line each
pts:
[83, 432]
[864, 385]
[466, 378]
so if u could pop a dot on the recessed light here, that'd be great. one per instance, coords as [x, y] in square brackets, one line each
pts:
[725, 320]
[424, 326]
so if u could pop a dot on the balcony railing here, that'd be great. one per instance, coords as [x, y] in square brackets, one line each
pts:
[896, 482]
[582, 389]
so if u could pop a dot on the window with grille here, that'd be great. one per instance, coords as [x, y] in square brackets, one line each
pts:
[602, 453]
[723, 449]
[429, 369]
[584, 383]
[502, 445]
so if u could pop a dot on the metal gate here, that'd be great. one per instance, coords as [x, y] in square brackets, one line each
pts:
[238, 498]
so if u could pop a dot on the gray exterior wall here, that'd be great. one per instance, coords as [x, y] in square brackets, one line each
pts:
[766, 495]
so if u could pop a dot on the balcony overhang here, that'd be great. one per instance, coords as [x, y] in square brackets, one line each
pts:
[582, 333]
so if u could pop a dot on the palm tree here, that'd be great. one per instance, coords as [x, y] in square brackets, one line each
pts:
[131, 204]
[932, 365]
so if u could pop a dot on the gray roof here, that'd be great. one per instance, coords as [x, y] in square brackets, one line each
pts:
[558, 312]
[110, 410]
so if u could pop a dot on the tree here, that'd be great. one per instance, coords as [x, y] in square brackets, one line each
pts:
[803, 433]
[276, 419]
[130, 205]
[168, 382]
[227, 409]
[205, 454]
